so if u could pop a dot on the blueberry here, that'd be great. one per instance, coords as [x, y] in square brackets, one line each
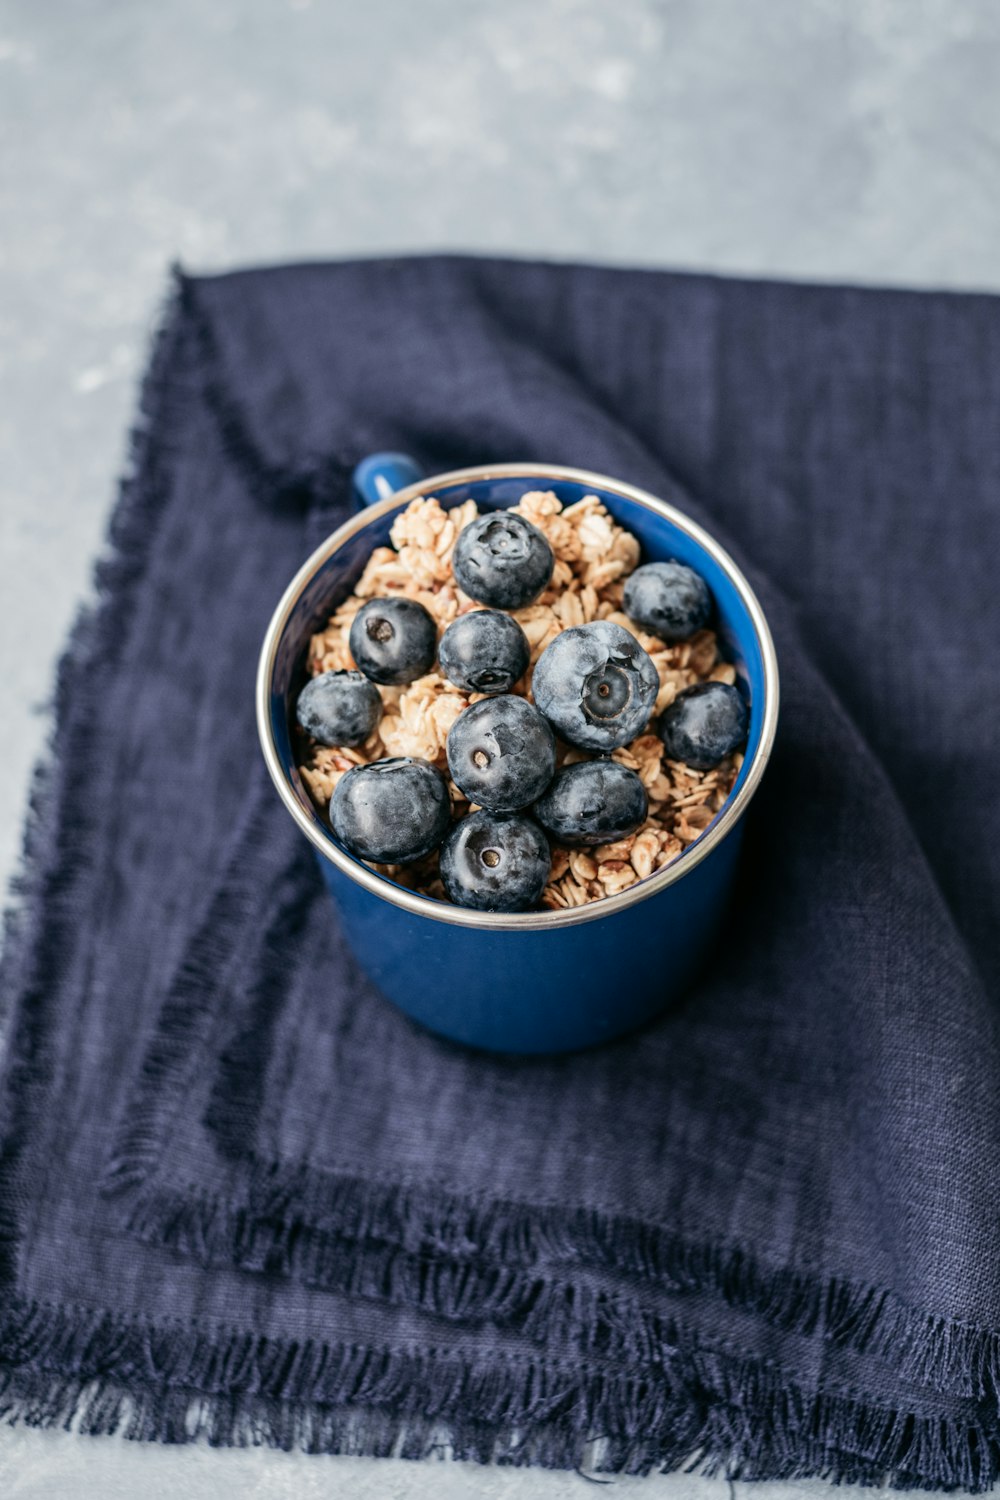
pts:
[501, 753]
[495, 863]
[594, 802]
[484, 652]
[392, 811]
[501, 559]
[393, 640]
[704, 724]
[596, 686]
[668, 599]
[339, 708]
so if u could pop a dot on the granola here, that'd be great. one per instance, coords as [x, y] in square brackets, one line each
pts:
[593, 556]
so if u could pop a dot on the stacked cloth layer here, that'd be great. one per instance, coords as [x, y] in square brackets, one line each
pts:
[242, 1196]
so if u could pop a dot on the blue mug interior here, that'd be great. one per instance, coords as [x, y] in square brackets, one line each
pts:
[661, 540]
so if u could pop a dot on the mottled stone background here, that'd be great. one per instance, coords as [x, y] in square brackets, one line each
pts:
[827, 139]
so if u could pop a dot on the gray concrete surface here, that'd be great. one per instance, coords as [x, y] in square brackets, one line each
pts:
[807, 138]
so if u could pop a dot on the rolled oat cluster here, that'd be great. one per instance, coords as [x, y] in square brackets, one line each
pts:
[593, 557]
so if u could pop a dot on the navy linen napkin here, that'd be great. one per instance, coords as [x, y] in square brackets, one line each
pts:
[762, 1233]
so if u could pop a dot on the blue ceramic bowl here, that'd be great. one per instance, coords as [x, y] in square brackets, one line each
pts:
[533, 982]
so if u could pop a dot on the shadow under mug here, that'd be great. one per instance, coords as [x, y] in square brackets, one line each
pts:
[530, 982]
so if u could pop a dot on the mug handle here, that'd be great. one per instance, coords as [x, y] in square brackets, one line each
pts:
[380, 475]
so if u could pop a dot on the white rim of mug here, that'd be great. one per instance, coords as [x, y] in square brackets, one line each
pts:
[535, 921]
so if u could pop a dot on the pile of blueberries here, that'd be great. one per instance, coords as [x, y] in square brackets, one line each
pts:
[594, 686]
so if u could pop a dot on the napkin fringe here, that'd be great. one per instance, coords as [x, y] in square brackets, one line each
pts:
[57, 841]
[542, 1310]
[513, 1265]
[704, 1412]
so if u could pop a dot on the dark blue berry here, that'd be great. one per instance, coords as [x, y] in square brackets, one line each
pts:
[501, 559]
[392, 811]
[393, 640]
[495, 863]
[596, 686]
[501, 753]
[484, 652]
[594, 802]
[668, 599]
[704, 724]
[339, 708]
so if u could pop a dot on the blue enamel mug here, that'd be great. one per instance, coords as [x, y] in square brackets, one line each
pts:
[531, 982]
